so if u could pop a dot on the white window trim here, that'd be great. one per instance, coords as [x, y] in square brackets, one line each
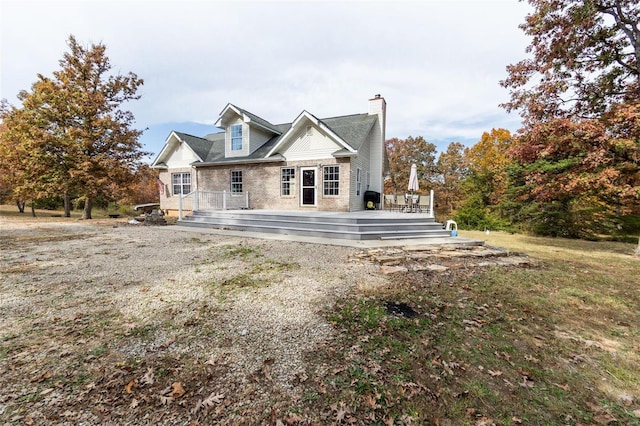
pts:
[325, 182]
[181, 183]
[232, 183]
[235, 126]
[291, 182]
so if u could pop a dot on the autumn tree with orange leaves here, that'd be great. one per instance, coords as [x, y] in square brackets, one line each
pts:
[71, 134]
[575, 164]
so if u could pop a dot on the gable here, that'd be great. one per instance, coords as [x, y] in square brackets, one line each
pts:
[180, 150]
[309, 143]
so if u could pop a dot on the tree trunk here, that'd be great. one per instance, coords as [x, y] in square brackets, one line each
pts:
[638, 248]
[33, 209]
[67, 204]
[86, 214]
[21, 205]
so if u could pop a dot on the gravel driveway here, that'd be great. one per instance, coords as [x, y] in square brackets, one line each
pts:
[89, 308]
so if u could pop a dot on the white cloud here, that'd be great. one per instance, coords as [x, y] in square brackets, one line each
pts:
[437, 63]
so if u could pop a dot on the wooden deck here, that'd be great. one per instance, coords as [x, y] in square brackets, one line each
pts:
[359, 225]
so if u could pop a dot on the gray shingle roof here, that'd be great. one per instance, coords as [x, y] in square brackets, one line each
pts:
[353, 129]
[200, 146]
[261, 121]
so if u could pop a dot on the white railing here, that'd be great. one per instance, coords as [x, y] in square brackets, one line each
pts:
[212, 200]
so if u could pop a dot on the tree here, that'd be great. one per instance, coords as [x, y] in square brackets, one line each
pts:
[26, 165]
[486, 182]
[85, 135]
[487, 161]
[576, 166]
[402, 154]
[575, 172]
[452, 170]
[585, 58]
[144, 187]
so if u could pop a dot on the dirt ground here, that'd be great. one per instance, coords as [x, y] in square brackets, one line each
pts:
[102, 322]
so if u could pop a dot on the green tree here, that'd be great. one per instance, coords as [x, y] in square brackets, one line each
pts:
[575, 165]
[578, 177]
[486, 181]
[89, 137]
[402, 153]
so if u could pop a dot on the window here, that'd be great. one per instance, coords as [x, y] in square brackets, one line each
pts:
[358, 181]
[287, 174]
[236, 137]
[331, 180]
[181, 183]
[236, 181]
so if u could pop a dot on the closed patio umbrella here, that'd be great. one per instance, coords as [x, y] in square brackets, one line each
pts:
[413, 179]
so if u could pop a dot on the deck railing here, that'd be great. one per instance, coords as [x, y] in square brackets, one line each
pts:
[212, 200]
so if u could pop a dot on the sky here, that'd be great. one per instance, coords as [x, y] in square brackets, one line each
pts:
[437, 63]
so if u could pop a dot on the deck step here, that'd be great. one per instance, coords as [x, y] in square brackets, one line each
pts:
[339, 226]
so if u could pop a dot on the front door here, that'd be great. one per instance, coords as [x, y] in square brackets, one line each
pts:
[308, 187]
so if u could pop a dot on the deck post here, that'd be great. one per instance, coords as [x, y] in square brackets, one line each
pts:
[195, 200]
[246, 199]
[224, 199]
[431, 204]
[180, 206]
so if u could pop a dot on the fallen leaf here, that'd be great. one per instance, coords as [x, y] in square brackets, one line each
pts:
[563, 387]
[148, 378]
[130, 386]
[636, 413]
[516, 420]
[495, 373]
[372, 401]
[293, 418]
[531, 359]
[134, 403]
[177, 390]
[44, 376]
[165, 400]
[213, 399]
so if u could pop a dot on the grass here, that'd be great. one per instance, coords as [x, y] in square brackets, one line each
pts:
[550, 345]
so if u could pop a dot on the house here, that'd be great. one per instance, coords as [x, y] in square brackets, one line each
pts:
[310, 164]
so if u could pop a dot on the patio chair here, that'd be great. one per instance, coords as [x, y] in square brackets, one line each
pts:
[401, 203]
[389, 201]
[414, 202]
[423, 204]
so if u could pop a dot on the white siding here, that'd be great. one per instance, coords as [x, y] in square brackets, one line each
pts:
[181, 156]
[356, 202]
[245, 139]
[377, 106]
[305, 146]
[257, 138]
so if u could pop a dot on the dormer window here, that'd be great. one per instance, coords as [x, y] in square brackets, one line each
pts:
[236, 137]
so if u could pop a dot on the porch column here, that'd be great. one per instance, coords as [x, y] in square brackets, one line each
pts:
[224, 199]
[246, 199]
[431, 210]
[195, 200]
[179, 206]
